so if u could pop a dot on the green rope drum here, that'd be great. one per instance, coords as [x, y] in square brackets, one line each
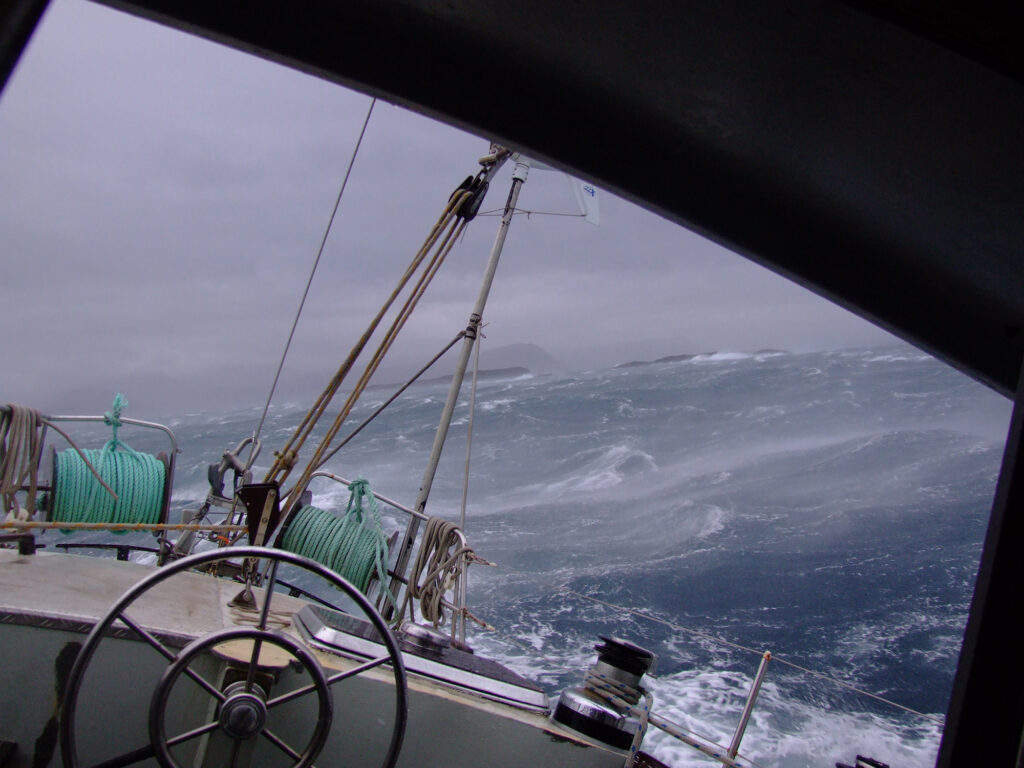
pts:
[138, 479]
[343, 543]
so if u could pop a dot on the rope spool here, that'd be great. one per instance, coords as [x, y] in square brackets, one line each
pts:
[355, 548]
[138, 479]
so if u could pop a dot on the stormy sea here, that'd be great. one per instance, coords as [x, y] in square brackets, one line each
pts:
[827, 507]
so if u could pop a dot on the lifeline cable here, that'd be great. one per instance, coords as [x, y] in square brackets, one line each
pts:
[123, 527]
[737, 646]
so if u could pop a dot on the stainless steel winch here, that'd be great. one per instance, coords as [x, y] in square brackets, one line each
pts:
[602, 707]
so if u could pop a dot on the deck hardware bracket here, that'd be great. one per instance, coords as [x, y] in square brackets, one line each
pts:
[26, 546]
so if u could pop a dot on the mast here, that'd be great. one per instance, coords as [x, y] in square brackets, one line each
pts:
[519, 175]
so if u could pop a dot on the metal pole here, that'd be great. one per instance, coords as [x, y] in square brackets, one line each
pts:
[734, 747]
[405, 549]
[469, 437]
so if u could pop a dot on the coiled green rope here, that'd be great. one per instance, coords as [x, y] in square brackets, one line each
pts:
[353, 547]
[137, 478]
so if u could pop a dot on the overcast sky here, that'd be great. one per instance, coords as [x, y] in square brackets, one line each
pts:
[162, 199]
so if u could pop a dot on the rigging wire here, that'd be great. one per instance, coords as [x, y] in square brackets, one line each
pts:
[454, 233]
[390, 400]
[25, 525]
[312, 273]
[287, 457]
[528, 213]
[441, 239]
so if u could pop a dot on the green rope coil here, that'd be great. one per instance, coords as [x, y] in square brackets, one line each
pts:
[355, 548]
[138, 479]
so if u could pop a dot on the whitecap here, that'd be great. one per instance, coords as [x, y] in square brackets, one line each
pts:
[714, 522]
[491, 405]
[608, 470]
[722, 357]
[784, 730]
[899, 358]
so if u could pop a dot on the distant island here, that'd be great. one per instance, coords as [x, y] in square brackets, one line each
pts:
[493, 373]
[668, 359]
[513, 372]
[529, 356]
[511, 361]
[691, 356]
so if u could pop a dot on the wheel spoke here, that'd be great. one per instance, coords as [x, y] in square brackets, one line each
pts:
[162, 649]
[206, 686]
[277, 742]
[285, 697]
[128, 758]
[168, 654]
[181, 738]
[257, 644]
[250, 673]
[268, 594]
[337, 678]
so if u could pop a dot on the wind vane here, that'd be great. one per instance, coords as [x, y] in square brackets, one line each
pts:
[584, 192]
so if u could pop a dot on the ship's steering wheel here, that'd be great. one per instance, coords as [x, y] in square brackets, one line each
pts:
[244, 706]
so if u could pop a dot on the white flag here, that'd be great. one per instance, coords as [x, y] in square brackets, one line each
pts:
[586, 197]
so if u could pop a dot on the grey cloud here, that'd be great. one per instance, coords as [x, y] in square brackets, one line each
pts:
[163, 199]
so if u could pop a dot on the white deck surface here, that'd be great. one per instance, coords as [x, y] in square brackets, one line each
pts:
[66, 587]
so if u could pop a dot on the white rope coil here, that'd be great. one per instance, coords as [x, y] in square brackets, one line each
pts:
[21, 444]
[438, 568]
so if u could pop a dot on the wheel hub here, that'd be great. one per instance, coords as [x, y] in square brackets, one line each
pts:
[243, 714]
